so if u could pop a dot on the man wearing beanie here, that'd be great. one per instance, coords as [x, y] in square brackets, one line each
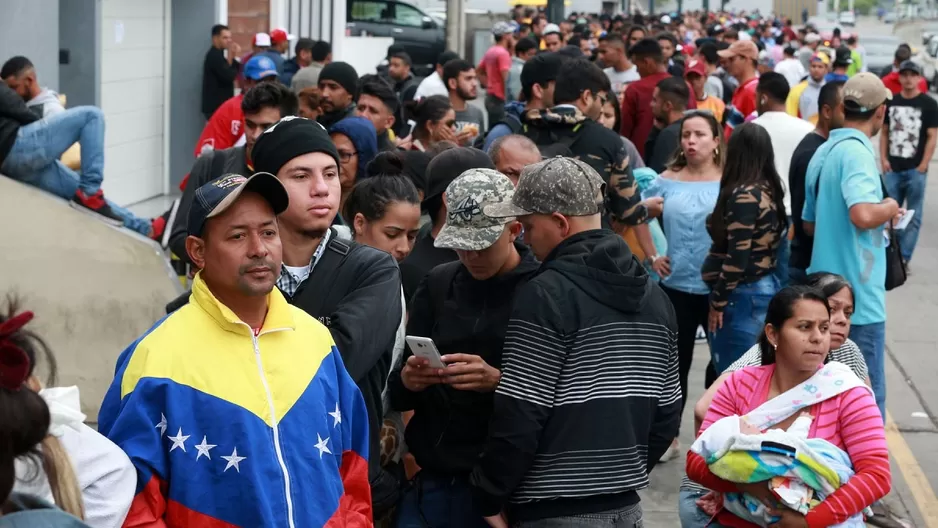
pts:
[441, 171]
[338, 82]
[353, 289]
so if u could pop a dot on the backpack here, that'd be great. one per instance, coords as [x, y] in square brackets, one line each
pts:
[550, 144]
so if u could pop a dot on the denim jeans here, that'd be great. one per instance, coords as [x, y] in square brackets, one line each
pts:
[628, 517]
[908, 187]
[871, 338]
[438, 501]
[782, 258]
[743, 319]
[34, 158]
[690, 514]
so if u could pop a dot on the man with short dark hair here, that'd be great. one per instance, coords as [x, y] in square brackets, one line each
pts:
[538, 79]
[20, 75]
[637, 117]
[553, 38]
[570, 129]
[303, 57]
[590, 337]
[906, 148]
[891, 75]
[668, 43]
[433, 83]
[830, 116]
[668, 103]
[399, 70]
[460, 79]
[225, 129]
[219, 70]
[338, 83]
[845, 210]
[378, 104]
[525, 49]
[259, 376]
[716, 85]
[260, 107]
[308, 76]
[621, 71]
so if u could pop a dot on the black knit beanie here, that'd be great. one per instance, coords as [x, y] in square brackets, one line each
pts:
[342, 73]
[289, 138]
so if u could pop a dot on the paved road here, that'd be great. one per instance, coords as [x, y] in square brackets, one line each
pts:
[912, 381]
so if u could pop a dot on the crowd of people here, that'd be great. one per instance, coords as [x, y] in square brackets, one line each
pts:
[406, 311]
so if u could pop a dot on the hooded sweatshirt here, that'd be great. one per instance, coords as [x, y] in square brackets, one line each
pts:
[588, 141]
[46, 103]
[589, 397]
[362, 134]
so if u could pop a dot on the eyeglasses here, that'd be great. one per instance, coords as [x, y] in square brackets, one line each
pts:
[345, 157]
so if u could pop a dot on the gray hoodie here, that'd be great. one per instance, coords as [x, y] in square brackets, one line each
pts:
[46, 103]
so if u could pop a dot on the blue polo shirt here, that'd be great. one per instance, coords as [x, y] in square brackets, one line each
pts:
[848, 176]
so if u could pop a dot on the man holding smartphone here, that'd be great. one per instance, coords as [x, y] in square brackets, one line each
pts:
[463, 307]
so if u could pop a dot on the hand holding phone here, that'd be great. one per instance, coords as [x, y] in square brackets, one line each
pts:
[423, 368]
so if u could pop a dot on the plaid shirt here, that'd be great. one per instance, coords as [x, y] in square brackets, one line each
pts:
[288, 282]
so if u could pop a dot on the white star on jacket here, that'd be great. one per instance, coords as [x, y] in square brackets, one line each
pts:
[162, 425]
[233, 461]
[178, 441]
[322, 445]
[336, 416]
[204, 448]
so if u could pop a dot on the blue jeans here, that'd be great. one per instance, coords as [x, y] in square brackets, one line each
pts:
[871, 338]
[908, 187]
[438, 501]
[690, 514]
[743, 319]
[782, 258]
[34, 158]
[628, 517]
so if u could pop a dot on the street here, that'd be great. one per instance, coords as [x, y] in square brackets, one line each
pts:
[911, 370]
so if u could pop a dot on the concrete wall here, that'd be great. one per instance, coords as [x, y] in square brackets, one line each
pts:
[31, 28]
[94, 288]
[191, 38]
[78, 30]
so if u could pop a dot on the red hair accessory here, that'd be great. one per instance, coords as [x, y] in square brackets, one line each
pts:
[14, 363]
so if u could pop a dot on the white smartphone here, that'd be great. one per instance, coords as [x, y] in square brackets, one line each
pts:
[905, 220]
[423, 347]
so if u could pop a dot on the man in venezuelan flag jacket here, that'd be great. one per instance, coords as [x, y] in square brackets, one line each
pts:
[233, 426]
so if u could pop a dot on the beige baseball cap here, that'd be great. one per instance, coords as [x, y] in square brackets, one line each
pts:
[865, 91]
[743, 48]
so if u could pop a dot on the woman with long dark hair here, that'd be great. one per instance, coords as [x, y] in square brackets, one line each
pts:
[689, 188]
[746, 229]
[435, 121]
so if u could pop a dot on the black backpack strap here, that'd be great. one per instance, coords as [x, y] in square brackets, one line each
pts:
[336, 251]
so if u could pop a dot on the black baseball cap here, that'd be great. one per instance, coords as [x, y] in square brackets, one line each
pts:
[910, 66]
[215, 197]
[541, 69]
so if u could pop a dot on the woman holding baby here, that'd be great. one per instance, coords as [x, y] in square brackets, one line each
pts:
[836, 408]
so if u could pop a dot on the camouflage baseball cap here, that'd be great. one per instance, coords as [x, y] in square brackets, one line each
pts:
[557, 185]
[467, 226]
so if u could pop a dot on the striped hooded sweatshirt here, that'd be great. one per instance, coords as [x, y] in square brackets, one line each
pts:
[230, 426]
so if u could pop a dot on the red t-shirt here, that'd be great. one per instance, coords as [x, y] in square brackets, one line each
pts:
[495, 62]
[743, 104]
[225, 127]
[637, 119]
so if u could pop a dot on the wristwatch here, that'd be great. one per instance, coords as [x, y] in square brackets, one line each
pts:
[650, 260]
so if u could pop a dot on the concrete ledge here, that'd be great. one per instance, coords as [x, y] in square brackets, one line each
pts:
[94, 288]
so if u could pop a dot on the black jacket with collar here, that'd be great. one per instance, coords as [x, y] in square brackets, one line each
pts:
[462, 315]
[589, 397]
[13, 114]
[327, 119]
[355, 290]
[208, 167]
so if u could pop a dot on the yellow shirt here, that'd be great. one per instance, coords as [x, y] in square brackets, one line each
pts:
[714, 104]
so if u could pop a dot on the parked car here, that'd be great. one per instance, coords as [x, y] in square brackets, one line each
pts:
[928, 60]
[848, 18]
[890, 17]
[422, 36]
[880, 51]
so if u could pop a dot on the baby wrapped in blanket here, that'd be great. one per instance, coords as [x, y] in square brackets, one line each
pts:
[800, 471]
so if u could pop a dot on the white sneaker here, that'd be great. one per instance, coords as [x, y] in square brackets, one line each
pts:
[674, 451]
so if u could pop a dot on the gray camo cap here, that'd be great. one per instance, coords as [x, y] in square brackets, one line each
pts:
[467, 226]
[556, 185]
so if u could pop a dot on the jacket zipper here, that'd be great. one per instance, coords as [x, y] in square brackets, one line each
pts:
[275, 423]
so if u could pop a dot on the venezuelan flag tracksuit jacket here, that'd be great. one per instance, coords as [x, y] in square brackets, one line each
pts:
[226, 428]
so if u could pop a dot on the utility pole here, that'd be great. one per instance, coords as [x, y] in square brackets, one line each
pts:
[456, 27]
[555, 11]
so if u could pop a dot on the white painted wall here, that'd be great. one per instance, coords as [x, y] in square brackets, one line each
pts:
[132, 97]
